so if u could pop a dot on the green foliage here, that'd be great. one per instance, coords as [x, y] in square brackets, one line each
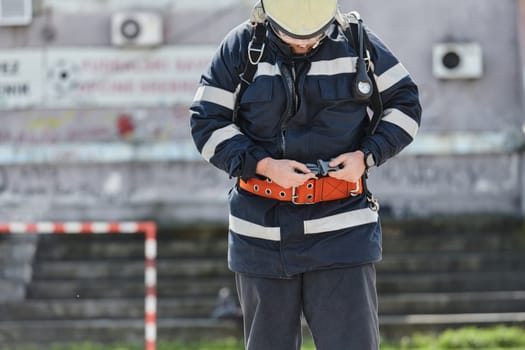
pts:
[468, 338]
[474, 338]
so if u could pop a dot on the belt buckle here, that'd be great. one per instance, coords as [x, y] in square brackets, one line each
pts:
[295, 196]
[323, 168]
[314, 168]
[320, 167]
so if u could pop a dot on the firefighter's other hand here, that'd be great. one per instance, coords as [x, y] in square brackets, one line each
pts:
[284, 172]
[352, 166]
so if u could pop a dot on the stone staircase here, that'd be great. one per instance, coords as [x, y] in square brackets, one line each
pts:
[91, 288]
[449, 273]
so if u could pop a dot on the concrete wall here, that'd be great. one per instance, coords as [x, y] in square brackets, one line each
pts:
[456, 180]
[464, 160]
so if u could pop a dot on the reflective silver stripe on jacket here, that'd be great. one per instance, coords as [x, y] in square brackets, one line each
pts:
[333, 67]
[327, 67]
[402, 120]
[219, 136]
[327, 224]
[340, 66]
[391, 77]
[340, 221]
[267, 69]
[336, 66]
[246, 228]
[215, 95]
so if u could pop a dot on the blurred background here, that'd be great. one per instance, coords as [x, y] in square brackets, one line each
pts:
[94, 126]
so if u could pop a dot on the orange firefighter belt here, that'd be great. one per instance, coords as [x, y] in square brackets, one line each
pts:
[312, 191]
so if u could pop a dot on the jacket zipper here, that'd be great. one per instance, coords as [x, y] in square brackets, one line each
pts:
[289, 76]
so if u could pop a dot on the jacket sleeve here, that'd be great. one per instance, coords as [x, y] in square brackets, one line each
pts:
[216, 137]
[402, 110]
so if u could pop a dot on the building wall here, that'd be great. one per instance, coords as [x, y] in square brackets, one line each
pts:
[97, 161]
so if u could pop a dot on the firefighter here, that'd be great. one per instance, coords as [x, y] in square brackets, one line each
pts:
[285, 108]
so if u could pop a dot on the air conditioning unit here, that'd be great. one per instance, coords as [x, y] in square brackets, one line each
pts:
[139, 29]
[16, 12]
[457, 61]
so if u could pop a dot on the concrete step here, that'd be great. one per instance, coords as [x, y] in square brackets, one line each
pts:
[452, 243]
[121, 269]
[86, 309]
[125, 246]
[79, 308]
[391, 283]
[167, 288]
[393, 263]
[479, 233]
[15, 248]
[452, 303]
[387, 283]
[11, 290]
[129, 331]
[16, 258]
[17, 271]
[397, 326]
[456, 261]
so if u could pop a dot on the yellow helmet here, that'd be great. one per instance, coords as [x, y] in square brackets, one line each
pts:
[300, 19]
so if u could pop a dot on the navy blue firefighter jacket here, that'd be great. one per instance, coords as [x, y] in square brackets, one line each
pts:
[299, 107]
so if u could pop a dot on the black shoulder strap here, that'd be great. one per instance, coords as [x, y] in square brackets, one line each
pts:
[354, 34]
[255, 54]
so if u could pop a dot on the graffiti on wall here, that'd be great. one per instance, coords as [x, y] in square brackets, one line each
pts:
[31, 191]
[97, 125]
[124, 182]
[425, 184]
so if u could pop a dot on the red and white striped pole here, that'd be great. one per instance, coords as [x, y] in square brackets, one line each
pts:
[150, 255]
[150, 280]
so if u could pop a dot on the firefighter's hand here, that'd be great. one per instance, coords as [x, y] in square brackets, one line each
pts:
[284, 172]
[352, 166]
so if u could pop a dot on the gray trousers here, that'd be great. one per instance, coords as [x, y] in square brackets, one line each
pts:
[339, 305]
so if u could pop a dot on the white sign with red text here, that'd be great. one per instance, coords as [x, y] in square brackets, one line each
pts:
[77, 77]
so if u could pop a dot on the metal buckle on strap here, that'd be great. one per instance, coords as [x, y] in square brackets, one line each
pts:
[357, 190]
[295, 196]
[257, 51]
